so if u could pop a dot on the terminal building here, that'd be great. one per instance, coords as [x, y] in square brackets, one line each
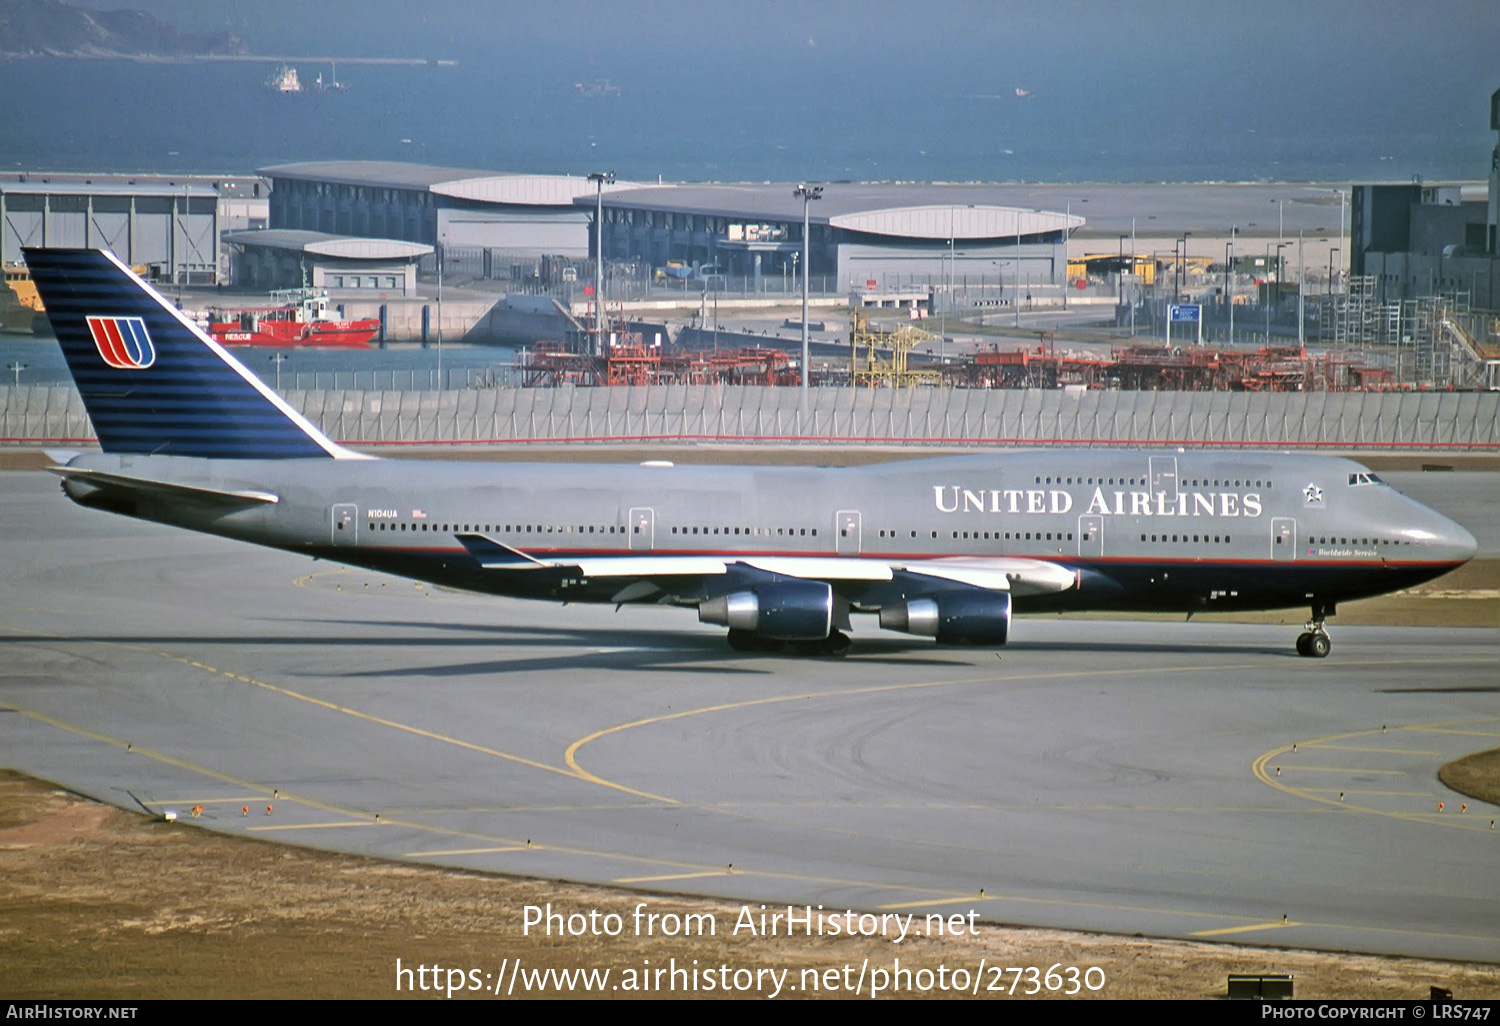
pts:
[861, 236]
[452, 207]
[868, 237]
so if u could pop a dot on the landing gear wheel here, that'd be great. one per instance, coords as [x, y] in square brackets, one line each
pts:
[744, 641]
[1314, 642]
[836, 645]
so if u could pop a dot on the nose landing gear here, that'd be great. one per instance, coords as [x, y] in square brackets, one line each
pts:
[1314, 642]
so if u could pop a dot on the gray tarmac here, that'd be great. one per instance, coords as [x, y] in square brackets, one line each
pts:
[1188, 780]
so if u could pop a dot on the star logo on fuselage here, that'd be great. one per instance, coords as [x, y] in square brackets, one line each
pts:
[1313, 494]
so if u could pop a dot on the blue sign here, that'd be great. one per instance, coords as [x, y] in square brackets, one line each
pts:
[1185, 312]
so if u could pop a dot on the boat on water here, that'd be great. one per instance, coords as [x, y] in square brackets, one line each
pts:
[284, 80]
[333, 85]
[297, 317]
[596, 87]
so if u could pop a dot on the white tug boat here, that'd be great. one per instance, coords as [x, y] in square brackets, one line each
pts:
[284, 80]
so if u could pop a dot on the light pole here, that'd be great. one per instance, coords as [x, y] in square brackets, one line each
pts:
[1229, 280]
[1120, 274]
[808, 193]
[1182, 276]
[17, 368]
[947, 295]
[1266, 300]
[1067, 220]
[1279, 247]
[1301, 288]
[1265, 294]
[441, 253]
[278, 359]
[1028, 274]
[600, 180]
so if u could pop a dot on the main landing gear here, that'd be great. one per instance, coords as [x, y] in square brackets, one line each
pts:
[836, 644]
[1314, 642]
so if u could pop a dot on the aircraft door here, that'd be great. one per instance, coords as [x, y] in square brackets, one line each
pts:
[345, 527]
[1283, 538]
[642, 529]
[1164, 476]
[846, 539]
[1091, 536]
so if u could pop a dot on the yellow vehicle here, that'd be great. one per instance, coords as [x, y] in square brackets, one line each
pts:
[20, 307]
[1100, 265]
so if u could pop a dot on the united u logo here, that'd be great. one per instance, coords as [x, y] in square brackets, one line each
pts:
[123, 342]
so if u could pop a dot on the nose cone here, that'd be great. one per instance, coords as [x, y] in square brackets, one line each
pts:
[1458, 541]
[1447, 540]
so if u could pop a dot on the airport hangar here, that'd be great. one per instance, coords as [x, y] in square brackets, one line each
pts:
[169, 224]
[860, 233]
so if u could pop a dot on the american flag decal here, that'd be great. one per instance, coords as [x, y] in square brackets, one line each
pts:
[123, 342]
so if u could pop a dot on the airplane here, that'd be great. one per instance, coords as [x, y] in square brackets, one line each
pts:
[946, 548]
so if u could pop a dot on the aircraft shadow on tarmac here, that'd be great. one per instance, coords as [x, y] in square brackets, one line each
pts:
[867, 648]
[575, 648]
[1472, 689]
[633, 649]
[629, 650]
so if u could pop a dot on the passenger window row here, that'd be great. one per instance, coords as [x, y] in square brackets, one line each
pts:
[1190, 538]
[751, 531]
[391, 525]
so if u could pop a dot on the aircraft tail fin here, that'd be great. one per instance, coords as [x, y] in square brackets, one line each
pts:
[151, 380]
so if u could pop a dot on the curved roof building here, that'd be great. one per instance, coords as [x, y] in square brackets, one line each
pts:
[860, 233]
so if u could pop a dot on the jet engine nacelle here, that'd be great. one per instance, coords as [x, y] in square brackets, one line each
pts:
[784, 610]
[953, 618]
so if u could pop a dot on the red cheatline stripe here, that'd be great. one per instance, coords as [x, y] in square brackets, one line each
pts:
[1069, 562]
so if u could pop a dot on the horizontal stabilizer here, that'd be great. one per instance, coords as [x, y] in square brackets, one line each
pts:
[145, 486]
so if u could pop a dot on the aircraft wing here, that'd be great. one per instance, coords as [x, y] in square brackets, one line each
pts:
[1013, 574]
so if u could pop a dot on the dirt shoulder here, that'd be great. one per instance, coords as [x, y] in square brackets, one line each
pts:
[100, 903]
[1477, 776]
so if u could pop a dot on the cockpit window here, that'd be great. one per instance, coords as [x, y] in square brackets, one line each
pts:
[1364, 478]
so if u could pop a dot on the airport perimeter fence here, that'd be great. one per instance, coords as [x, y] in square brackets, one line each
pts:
[1352, 421]
[566, 278]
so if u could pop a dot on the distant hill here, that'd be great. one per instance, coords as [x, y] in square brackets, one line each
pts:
[53, 28]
